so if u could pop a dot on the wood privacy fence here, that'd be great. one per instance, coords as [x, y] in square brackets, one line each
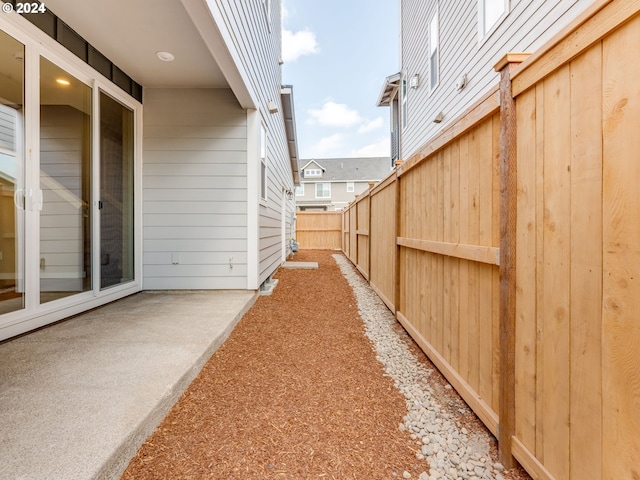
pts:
[318, 230]
[509, 248]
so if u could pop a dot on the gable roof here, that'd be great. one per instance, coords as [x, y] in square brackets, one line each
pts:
[350, 169]
[310, 162]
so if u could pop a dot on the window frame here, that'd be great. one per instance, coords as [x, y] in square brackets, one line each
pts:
[299, 190]
[312, 172]
[353, 187]
[266, 6]
[264, 171]
[328, 184]
[483, 31]
[404, 93]
[435, 18]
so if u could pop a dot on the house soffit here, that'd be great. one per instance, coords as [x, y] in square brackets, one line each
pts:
[130, 33]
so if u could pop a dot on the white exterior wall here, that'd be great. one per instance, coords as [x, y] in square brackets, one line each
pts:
[194, 190]
[529, 24]
[258, 44]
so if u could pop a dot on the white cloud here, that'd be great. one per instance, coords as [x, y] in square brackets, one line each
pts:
[297, 44]
[328, 145]
[381, 148]
[336, 115]
[369, 126]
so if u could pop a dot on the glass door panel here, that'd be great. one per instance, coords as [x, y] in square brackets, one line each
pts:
[12, 295]
[116, 193]
[65, 179]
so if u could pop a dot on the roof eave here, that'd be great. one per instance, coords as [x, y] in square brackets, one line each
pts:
[289, 116]
[389, 90]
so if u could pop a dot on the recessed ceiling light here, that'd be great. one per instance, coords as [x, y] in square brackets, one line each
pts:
[165, 56]
[62, 81]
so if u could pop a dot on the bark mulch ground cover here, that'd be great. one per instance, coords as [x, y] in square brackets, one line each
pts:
[295, 392]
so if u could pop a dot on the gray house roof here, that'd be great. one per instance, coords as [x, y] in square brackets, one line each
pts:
[348, 169]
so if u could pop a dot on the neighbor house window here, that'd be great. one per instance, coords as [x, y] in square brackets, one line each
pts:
[263, 163]
[300, 191]
[434, 39]
[313, 172]
[323, 190]
[489, 13]
[351, 187]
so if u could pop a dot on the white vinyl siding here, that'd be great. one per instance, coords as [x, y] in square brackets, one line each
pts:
[195, 190]
[525, 28]
[258, 49]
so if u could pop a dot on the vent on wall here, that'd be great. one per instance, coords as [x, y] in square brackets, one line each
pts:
[53, 26]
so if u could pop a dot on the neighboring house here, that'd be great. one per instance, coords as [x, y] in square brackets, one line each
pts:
[143, 145]
[447, 54]
[329, 184]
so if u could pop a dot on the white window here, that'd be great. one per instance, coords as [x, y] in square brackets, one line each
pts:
[434, 43]
[323, 190]
[489, 13]
[266, 5]
[404, 102]
[300, 190]
[312, 172]
[351, 187]
[263, 162]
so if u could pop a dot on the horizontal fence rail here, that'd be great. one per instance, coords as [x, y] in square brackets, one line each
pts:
[509, 249]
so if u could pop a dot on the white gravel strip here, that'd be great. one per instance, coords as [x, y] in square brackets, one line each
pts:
[452, 452]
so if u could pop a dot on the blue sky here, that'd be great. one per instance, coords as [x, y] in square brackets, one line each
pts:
[336, 55]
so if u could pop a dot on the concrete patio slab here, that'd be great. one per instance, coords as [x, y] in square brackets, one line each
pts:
[78, 398]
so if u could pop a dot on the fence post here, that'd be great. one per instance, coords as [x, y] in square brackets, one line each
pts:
[508, 213]
[396, 293]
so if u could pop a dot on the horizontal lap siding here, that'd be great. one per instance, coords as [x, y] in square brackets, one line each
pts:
[528, 25]
[195, 190]
[258, 45]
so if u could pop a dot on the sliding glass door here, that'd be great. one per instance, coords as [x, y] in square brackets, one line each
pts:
[12, 198]
[65, 182]
[116, 193]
